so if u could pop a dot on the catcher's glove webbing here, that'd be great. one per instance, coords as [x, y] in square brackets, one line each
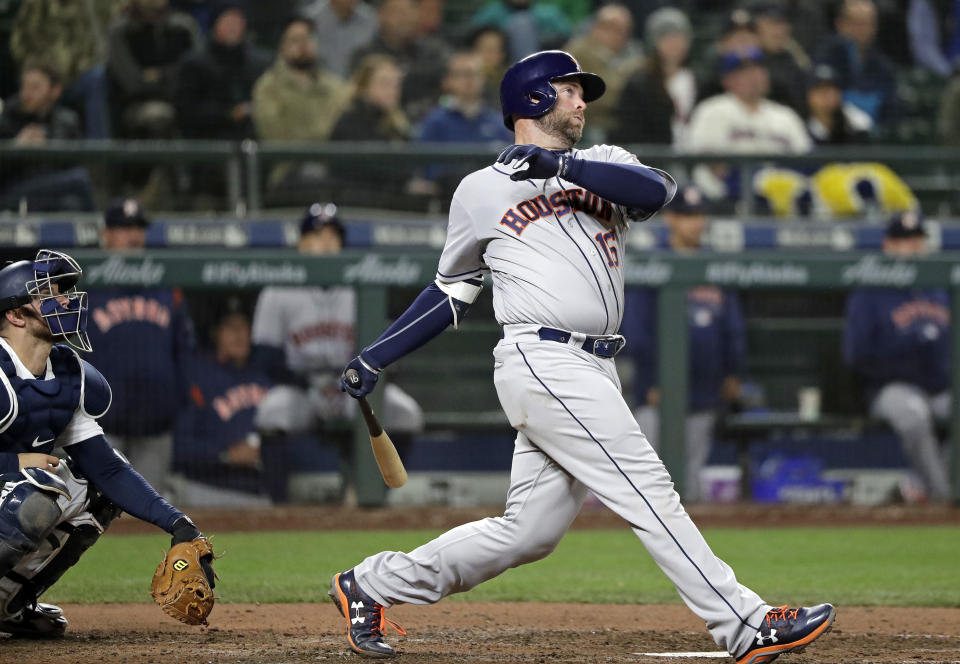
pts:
[180, 586]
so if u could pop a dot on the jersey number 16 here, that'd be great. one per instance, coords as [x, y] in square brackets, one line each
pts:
[606, 242]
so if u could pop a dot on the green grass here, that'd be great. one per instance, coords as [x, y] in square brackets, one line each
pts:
[900, 566]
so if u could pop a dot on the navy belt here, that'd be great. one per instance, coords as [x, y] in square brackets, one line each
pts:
[603, 346]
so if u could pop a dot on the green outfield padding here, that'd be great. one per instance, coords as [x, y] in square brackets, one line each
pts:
[898, 566]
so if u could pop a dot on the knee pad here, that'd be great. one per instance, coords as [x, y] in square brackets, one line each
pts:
[28, 514]
[68, 541]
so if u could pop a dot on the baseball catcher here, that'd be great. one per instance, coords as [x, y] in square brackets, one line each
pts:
[54, 508]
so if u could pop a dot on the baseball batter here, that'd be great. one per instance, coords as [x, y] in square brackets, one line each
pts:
[547, 223]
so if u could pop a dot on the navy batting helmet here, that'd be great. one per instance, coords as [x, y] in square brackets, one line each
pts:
[64, 309]
[526, 90]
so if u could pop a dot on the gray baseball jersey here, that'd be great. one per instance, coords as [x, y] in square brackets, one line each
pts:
[316, 329]
[554, 253]
[314, 326]
[553, 247]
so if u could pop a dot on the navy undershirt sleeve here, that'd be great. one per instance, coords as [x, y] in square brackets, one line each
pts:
[121, 483]
[429, 315]
[633, 186]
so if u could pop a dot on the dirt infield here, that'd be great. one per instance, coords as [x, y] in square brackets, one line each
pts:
[453, 631]
[468, 633]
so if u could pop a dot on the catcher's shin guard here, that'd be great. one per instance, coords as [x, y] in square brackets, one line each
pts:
[68, 541]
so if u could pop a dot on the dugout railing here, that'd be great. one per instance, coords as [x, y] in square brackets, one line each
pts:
[352, 172]
[375, 273]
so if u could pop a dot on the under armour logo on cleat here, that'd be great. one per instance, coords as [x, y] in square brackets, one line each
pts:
[359, 619]
[764, 640]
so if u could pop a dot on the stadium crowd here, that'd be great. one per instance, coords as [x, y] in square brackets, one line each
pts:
[819, 72]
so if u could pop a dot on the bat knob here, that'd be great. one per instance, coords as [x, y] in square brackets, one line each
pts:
[353, 378]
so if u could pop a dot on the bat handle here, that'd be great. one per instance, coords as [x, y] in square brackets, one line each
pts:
[373, 426]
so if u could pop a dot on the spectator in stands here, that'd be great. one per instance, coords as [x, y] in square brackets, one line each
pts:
[215, 85]
[948, 118]
[306, 336]
[898, 341]
[658, 99]
[461, 116]
[830, 120]
[31, 118]
[608, 49]
[343, 27]
[143, 339]
[738, 34]
[866, 75]
[717, 344]
[785, 60]
[72, 36]
[530, 25]
[742, 120]
[297, 99]
[375, 112]
[146, 45]
[741, 33]
[422, 59]
[216, 444]
[934, 29]
[491, 44]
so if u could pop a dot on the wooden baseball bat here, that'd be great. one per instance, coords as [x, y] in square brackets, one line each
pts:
[391, 467]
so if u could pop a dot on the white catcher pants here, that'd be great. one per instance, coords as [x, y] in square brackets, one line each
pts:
[575, 433]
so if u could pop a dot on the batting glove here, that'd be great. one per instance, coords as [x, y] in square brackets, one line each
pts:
[368, 378]
[540, 163]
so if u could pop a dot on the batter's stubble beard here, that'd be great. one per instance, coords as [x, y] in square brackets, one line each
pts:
[560, 126]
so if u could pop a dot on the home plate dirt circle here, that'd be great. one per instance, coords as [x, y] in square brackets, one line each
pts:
[469, 633]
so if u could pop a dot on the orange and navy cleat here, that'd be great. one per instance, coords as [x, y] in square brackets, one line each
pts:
[365, 619]
[788, 630]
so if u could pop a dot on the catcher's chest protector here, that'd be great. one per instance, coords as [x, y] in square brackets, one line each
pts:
[43, 408]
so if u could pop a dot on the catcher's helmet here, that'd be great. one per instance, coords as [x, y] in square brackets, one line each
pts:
[65, 311]
[526, 91]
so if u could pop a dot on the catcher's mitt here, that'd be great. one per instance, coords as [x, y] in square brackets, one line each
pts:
[180, 586]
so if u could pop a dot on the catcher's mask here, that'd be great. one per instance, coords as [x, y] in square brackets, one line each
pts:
[64, 308]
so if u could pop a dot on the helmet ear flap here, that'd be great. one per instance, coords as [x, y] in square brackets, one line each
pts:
[541, 99]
